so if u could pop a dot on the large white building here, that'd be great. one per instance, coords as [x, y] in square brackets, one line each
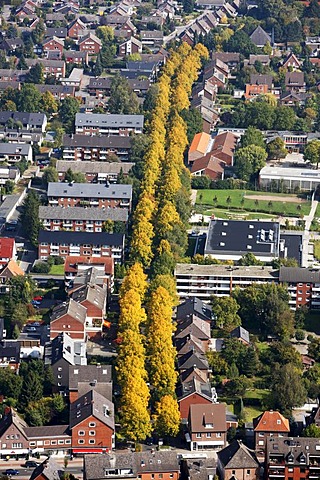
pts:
[291, 178]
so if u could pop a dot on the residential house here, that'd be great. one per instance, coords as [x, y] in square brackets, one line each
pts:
[193, 373]
[89, 195]
[263, 59]
[94, 299]
[76, 58]
[108, 124]
[47, 470]
[77, 29]
[207, 426]
[95, 172]
[292, 62]
[8, 250]
[183, 345]
[209, 166]
[68, 317]
[13, 439]
[241, 334]
[9, 172]
[303, 286]
[143, 465]
[224, 147]
[314, 417]
[193, 325]
[6, 84]
[210, 4]
[193, 392]
[54, 68]
[237, 461]
[83, 378]
[101, 86]
[90, 43]
[9, 74]
[63, 244]
[15, 152]
[92, 424]
[260, 37]
[151, 39]
[198, 468]
[76, 267]
[60, 92]
[232, 239]
[294, 82]
[269, 424]
[10, 354]
[141, 69]
[53, 43]
[11, 270]
[231, 59]
[129, 47]
[35, 122]
[200, 145]
[10, 45]
[292, 99]
[193, 359]
[95, 148]
[60, 32]
[194, 306]
[61, 353]
[76, 219]
[294, 457]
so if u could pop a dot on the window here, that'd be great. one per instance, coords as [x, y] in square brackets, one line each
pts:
[218, 435]
[53, 442]
[60, 442]
[92, 424]
[59, 369]
[81, 433]
[198, 435]
[208, 435]
[67, 442]
[92, 441]
[81, 441]
[261, 434]
[17, 445]
[160, 475]
[248, 472]
[59, 376]
[4, 445]
[233, 472]
[32, 444]
[171, 475]
[92, 433]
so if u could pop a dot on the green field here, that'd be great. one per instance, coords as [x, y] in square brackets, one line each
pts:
[237, 201]
[238, 215]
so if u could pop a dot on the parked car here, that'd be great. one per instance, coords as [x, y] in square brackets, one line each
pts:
[39, 298]
[31, 464]
[36, 302]
[11, 471]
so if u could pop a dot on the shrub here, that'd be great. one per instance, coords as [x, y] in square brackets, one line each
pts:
[58, 260]
[300, 335]
[41, 267]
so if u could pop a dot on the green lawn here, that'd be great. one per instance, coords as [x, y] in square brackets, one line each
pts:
[257, 393]
[236, 214]
[251, 413]
[57, 270]
[231, 199]
[262, 346]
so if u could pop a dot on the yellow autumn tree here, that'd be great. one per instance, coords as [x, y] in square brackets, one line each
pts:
[134, 414]
[167, 416]
[131, 312]
[135, 279]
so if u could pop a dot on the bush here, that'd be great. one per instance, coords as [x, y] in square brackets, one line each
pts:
[200, 182]
[300, 335]
[58, 260]
[41, 267]
[50, 261]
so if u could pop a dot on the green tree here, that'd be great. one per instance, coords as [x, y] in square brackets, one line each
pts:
[29, 98]
[312, 152]
[50, 174]
[98, 66]
[10, 383]
[249, 259]
[276, 149]
[194, 121]
[250, 363]
[67, 112]
[249, 160]
[311, 431]
[253, 136]
[29, 217]
[122, 98]
[35, 74]
[287, 388]
[32, 389]
[225, 311]
[285, 118]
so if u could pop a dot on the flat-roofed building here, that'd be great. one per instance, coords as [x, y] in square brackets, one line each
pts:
[290, 178]
[108, 124]
[202, 281]
[95, 172]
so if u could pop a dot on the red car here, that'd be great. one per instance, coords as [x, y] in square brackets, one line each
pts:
[38, 299]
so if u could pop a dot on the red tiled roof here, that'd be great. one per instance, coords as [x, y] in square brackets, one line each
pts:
[72, 263]
[271, 422]
[6, 247]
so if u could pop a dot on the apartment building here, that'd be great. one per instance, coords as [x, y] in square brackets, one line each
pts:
[80, 219]
[202, 281]
[63, 244]
[95, 148]
[15, 152]
[108, 124]
[269, 424]
[292, 458]
[89, 195]
[207, 426]
[303, 286]
[95, 172]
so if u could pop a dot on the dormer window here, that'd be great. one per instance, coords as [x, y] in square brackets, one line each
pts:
[209, 425]
[290, 458]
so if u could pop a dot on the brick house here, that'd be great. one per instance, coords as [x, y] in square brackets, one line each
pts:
[68, 317]
[237, 461]
[193, 392]
[75, 57]
[53, 43]
[94, 299]
[90, 43]
[294, 82]
[76, 29]
[95, 148]
[207, 426]
[76, 266]
[55, 68]
[63, 244]
[89, 195]
[92, 424]
[13, 439]
[83, 378]
[199, 146]
[269, 424]
[8, 250]
[47, 470]
[130, 46]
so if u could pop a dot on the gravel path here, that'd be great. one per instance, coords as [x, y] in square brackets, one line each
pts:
[273, 198]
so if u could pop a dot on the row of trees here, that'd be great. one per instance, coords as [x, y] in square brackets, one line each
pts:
[154, 245]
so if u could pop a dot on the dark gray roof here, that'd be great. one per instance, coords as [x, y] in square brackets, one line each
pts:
[83, 378]
[88, 167]
[49, 470]
[60, 32]
[193, 359]
[296, 449]
[95, 466]
[194, 306]
[241, 333]
[237, 237]
[193, 325]
[194, 386]
[91, 293]
[236, 455]
[299, 275]
[292, 244]
[63, 347]
[79, 238]
[72, 308]
[85, 190]
[112, 141]
[92, 403]
[10, 349]
[259, 79]
[47, 431]
[109, 120]
[259, 36]
[78, 213]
